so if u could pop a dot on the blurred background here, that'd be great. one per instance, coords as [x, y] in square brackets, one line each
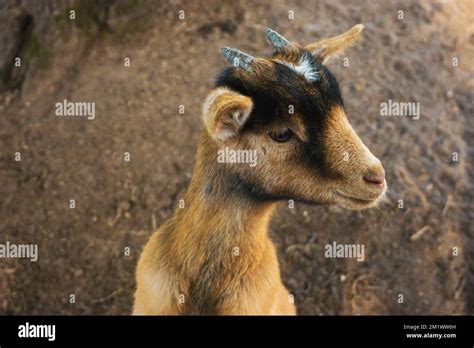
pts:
[174, 58]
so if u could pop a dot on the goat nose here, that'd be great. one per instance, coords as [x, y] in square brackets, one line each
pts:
[375, 177]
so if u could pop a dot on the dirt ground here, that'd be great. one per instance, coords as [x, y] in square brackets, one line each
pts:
[174, 62]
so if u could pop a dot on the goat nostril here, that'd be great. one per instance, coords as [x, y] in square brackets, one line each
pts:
[377, 179]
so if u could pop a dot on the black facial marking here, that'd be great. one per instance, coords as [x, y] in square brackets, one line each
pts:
[272, 92]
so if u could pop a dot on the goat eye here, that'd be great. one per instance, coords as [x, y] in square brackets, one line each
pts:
[281, 136]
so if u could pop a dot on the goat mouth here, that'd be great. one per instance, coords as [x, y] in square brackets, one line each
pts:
[357, 200]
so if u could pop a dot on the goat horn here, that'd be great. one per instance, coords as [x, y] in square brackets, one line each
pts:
[238, 58]
[276, 40]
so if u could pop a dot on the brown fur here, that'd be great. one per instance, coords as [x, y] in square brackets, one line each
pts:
[326, 49]
[214, 255]
[194, 254]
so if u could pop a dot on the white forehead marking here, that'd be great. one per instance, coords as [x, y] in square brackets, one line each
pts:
[304, 67]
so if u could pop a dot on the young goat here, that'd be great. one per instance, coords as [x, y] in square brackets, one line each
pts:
[214, 256]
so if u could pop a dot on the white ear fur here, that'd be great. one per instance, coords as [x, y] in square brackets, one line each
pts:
[225, 112]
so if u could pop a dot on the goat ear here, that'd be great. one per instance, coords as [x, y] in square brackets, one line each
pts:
[225, 112]
[324, 50]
